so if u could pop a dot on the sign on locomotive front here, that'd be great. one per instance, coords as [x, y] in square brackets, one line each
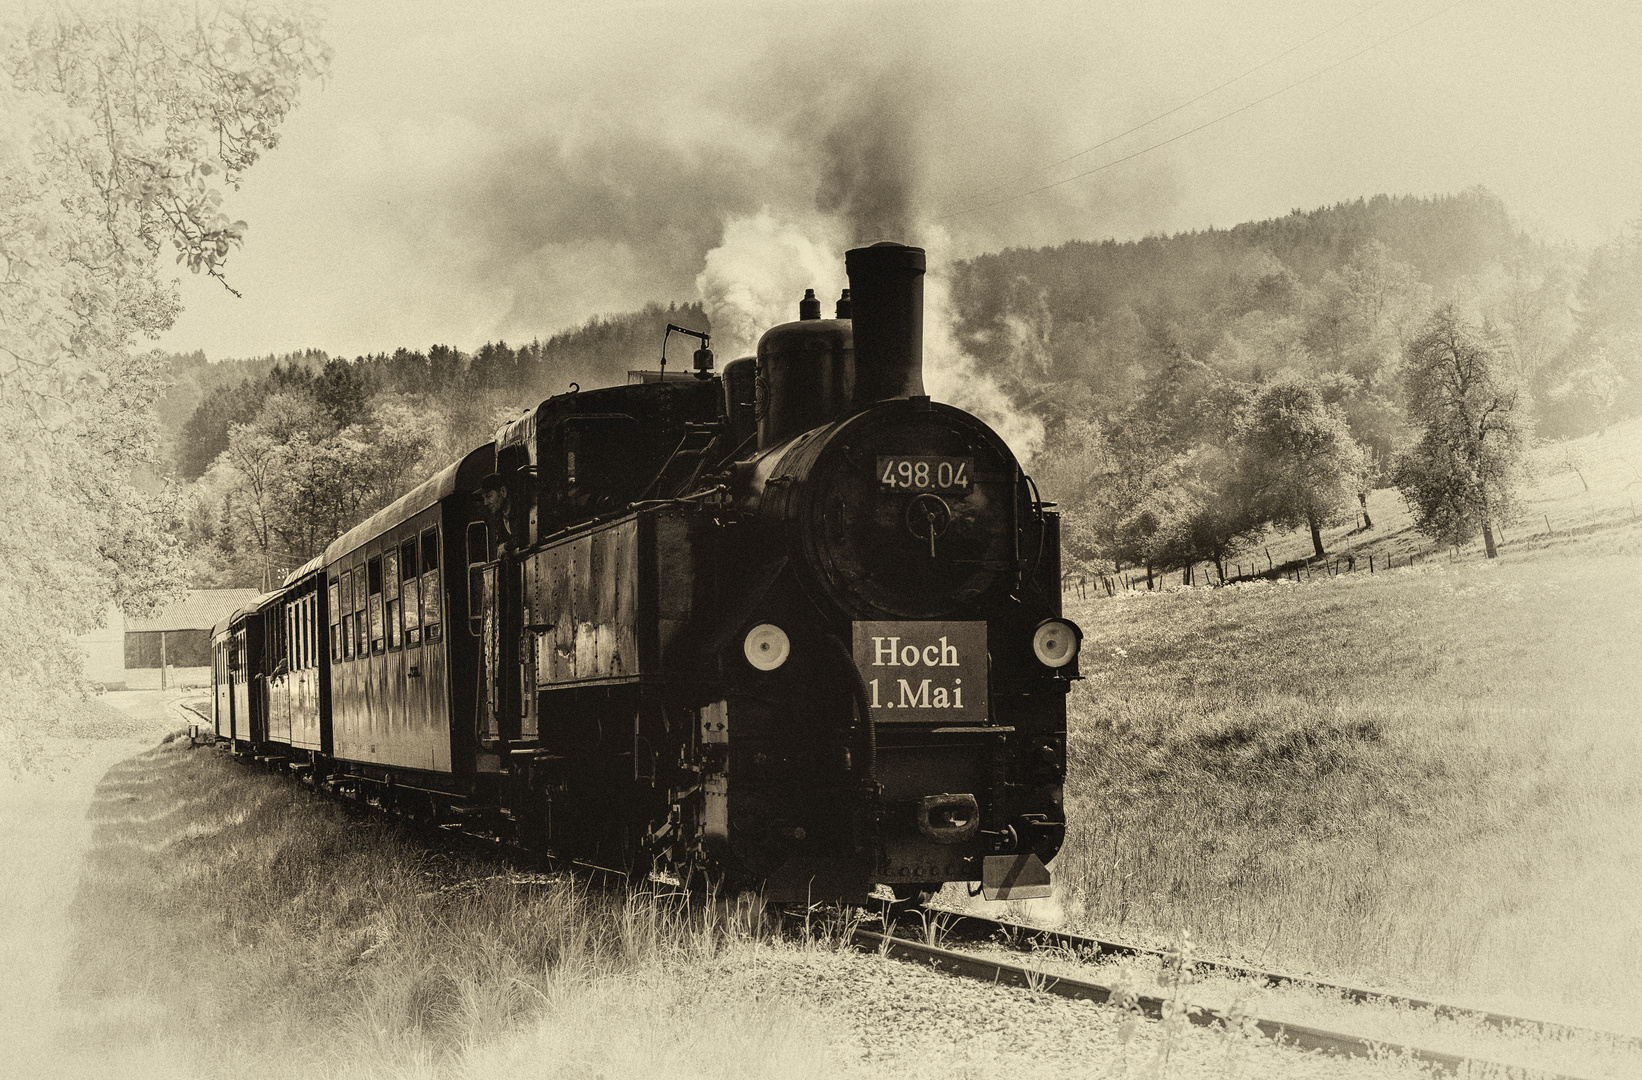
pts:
[924, 671]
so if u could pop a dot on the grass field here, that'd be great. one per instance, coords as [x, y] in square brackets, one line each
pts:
[231, 925]
[1430, 778]
[234, 925]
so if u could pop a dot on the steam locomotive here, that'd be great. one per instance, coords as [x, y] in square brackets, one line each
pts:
[794, 626]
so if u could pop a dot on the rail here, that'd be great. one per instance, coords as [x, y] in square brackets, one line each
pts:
[973, 928]
[987, 969]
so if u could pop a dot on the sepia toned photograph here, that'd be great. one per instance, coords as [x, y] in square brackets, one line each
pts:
[650, 539]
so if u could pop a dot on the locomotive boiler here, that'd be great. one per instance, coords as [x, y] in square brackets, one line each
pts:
[794, 626]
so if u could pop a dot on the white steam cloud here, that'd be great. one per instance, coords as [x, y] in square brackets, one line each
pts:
[754, 279]
[950, 374]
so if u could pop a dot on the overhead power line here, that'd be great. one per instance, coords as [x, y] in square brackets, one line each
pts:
[1207, 123]
[1184, 104]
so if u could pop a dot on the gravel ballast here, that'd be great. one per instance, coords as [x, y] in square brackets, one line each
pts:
[899, 1020]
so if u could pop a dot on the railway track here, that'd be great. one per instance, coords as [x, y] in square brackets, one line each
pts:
[997, 971]
[974, 929]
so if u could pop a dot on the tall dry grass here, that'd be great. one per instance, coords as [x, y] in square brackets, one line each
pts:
[234, 925]
[1429, 778]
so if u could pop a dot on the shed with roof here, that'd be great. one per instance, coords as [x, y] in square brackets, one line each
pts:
[174, 646]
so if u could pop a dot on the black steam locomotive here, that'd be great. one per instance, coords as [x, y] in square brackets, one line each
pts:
[796, 626]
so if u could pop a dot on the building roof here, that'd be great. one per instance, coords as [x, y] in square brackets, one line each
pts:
[199, 610]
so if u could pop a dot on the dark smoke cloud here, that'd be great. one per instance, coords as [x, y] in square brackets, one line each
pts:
[853, 124]
[871, 168]
[536, 208]
[603, 192]
[622, 186]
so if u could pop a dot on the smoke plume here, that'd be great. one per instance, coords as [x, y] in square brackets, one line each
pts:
[743, 186]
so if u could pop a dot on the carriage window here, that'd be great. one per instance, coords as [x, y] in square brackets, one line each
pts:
[390, 594]
[373, 572]
[412, 594]
[331, 617]
[361, 643]
[347, 615]
[478, 545]
[431, 596]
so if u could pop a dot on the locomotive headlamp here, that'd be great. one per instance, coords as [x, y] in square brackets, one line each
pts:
[1056, 641]
[766, 646]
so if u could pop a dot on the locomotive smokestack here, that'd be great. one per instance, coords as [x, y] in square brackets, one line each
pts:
[887, 308]
[809, 307]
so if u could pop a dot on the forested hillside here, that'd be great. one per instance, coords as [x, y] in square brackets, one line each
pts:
[284, 453]
[1196, 390]
[1202, 388]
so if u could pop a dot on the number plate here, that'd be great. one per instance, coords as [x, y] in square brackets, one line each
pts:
[926, 473]
[924, 671]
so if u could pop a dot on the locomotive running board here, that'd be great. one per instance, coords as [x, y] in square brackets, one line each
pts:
[1014, 877]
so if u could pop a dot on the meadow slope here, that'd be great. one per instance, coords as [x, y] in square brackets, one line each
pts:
[1428, 778]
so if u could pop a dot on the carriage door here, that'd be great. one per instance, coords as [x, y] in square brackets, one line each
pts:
[484, 621]
[531, 627]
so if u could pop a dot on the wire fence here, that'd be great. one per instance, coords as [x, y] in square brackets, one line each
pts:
[1085, 584]
[1096, 583]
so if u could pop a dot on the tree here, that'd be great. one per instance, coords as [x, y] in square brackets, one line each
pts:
[290, 481]
[1463, 473]
[1601, 372]
[1203, 509]
[118, 130]
[1308, 467]
[1073, 466]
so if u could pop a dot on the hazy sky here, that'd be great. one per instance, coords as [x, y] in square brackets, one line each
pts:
[511, 169]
